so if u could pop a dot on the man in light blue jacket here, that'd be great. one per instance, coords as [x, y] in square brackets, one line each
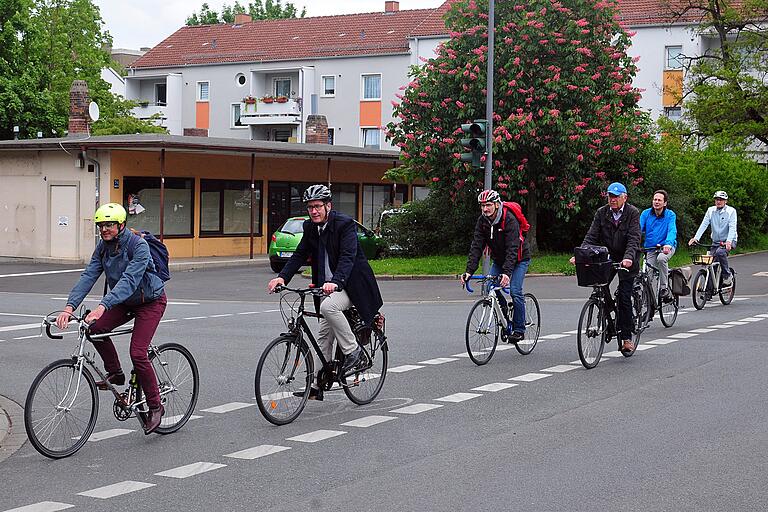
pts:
[659, 225]
[722, 219]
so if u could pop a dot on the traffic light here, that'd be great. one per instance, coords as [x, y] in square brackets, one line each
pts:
[476, 143]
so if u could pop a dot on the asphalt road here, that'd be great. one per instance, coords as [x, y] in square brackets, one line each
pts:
[678, 426]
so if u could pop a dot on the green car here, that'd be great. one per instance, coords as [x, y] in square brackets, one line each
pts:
[287, 238]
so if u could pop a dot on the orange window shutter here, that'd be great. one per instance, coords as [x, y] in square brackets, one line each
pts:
[673, 87]
[370, 113]
[202, 114]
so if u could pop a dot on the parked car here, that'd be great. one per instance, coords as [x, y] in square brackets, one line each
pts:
[286, 239]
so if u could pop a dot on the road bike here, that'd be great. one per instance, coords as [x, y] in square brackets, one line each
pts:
[285, 372]
[667, 306]
[598, 325]
[487, 322]
[708, 280]
[62, 404]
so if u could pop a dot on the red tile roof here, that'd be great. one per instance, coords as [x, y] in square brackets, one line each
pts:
[375, 33]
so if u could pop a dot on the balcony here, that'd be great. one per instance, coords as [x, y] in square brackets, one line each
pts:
[261, 113]
[146, 110]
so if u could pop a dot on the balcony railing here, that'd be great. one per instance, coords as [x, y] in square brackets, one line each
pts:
[270, 113]
[146, 110]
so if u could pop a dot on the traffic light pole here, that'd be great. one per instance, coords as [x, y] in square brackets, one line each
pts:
[489, 97]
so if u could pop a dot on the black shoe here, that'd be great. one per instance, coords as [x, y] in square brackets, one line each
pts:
[314, 394]
[516, 337]
[351, 360]
[154, 417]
[117, 379]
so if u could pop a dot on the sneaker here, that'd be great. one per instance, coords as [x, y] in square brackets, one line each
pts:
[516, 337]
[116, 379]
[627, 346]
[351, 360]
[314, 394]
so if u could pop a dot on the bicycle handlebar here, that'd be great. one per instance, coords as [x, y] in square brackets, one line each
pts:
[483, 278]
[48, 322]
[300, 291]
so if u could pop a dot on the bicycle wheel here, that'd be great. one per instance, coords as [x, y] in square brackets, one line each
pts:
[592, 333]
[61, 409]
[178, 380]
[482, 334]
[727, 293]
[641, 311]
[699, 289]
[668, 309]
[532, 325]
[283, 379]
[363, 386]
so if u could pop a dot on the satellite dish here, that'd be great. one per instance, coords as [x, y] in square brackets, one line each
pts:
[93, 111]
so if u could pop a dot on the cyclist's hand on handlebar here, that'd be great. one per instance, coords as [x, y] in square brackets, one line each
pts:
[626, 263]
[278, 281]
[666, 249]
[329, 288]
[572, 261]
[63, 319]
[728, 246]
[692, 241]
[463, 278]
[504, 280]
[95, 314]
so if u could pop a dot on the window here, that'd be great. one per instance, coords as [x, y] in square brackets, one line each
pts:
[203, 91]
[142, 197]
[345, 198]
[371, 138]
[674, 113]
[160, 94]
[329, 85]
[283, 135]
[674, 57]
[225, 207]
[283, 87]
[235, 120]
[420, 192]
[240, 79]
[331, 136]
[371, 87]
[376, 198]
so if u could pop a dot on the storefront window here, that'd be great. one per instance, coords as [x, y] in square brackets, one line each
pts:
[142, 200]
[225, 207]
[345, 198]
[376, 198]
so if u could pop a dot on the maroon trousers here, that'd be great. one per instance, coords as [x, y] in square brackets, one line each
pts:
[147, 317]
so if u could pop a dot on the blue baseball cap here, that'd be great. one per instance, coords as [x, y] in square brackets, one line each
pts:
[617, 188]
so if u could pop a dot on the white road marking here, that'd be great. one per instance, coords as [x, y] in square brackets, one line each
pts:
[736, 322]
[763, 315]
[404, 368]
[577, 362]
[720, 326]
[560, 368]
[644, 347]
[368, 421]
[438, 360]
[495, 386]
[752, 319]
[702, 330]
[462, 354]
[20, 327]
[232, 406]
[194, 317]
[741, 298]
[223, 315]
[502, 348]
[416, 408]
[249, 313]
[661, 341]
[43, 506]
[28, 337]
[530, 377]
[108, 434]
[169, 320]
[191, 469]
[553, 336]
[258, 451]
[317, 435]
[170, 420]
[458, 397]
[575, 331]
[683, 335]
[120, 488]
[613, 353]
[43, 273]
[39, 317]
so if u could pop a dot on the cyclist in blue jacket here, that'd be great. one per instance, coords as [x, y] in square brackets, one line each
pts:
[135, 293]
[659, 225]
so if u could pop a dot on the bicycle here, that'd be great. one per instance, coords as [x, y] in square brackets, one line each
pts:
[486, 321]
[285, 371]
[666, 306]
[56, 427]
[703, 287]
[597, 321]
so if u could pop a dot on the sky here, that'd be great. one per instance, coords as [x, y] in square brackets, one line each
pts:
[134, 24]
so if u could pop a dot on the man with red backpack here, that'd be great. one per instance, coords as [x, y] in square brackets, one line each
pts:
[502, 228]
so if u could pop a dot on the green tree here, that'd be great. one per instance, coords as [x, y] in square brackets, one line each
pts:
[117, 118]
[566, 120]
[258, 10]
[726, 89]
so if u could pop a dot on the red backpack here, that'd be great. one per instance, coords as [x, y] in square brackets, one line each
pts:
[517, 211]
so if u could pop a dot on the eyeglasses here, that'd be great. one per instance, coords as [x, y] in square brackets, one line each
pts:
[316, 208]
[106, 225]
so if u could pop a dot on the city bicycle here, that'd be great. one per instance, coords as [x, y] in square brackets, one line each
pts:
[62, 404]
[667, 306]
[487, 322]
[708, 280]
[598, 325]
[285, 372]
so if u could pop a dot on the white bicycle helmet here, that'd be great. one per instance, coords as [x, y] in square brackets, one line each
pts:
[317, 193]
[720, 194]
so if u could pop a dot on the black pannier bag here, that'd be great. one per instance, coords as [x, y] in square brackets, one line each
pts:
[593, 265]
[678, 282]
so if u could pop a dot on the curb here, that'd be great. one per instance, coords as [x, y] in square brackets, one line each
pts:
[12, 434]
[195, 265]
[431, 277]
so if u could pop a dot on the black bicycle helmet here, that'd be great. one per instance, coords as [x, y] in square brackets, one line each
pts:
[317, 193]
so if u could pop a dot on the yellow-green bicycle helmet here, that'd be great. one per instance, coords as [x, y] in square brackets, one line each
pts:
[110, 212]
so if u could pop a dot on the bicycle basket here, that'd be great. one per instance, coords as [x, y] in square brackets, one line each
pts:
[701, 259]
[593, 274]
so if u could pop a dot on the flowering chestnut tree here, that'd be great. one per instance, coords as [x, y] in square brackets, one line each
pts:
[565, 116]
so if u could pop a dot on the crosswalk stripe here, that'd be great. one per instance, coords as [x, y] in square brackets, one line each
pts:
[189, 470]
[258, 451]
[118, 489]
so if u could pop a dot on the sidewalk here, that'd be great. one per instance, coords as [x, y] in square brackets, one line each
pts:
[12, 435]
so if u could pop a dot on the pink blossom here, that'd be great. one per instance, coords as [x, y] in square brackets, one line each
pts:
[579, 157]
[582, 22]
[435, 179]
[516, 61]
[579, 188]
[545, 151]
[459, 104]
[554, 112]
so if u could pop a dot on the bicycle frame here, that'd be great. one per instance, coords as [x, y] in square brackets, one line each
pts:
[488, 289]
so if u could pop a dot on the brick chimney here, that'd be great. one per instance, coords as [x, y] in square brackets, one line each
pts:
[78, 108]
[317, 129]
[391, 6]
[242, 18]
